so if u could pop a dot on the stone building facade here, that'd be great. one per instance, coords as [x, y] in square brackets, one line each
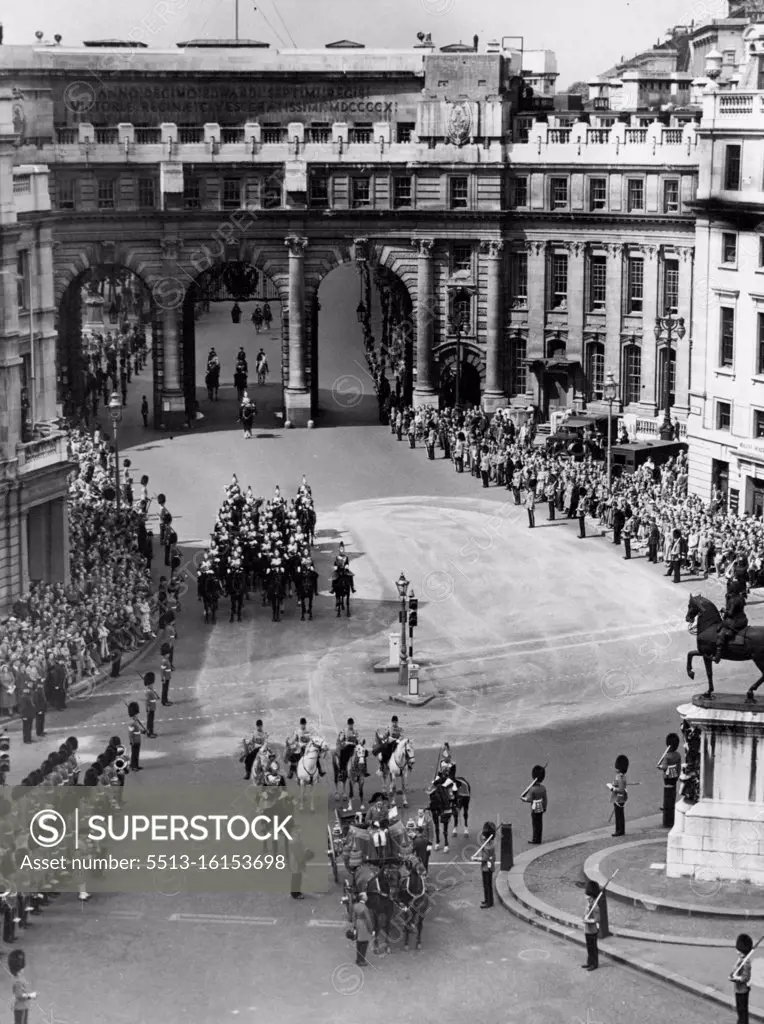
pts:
[33, 458]
[555, 241]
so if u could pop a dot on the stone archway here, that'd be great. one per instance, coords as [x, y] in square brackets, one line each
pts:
[98, 292]
[371, 319]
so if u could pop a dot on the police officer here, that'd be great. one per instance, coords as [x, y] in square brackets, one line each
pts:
[671, 765]
[27, 711]
[151, 703]
[40, 707]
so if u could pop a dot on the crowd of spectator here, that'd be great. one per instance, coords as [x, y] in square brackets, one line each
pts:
[61, 633]
[649, 511]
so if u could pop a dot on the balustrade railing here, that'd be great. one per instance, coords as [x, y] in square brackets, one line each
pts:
[360, 136]
[66, 136]
[319, 136]
[555, 136]
[190, 136]
[638, 135]
[148, 136]
[597, 136]
[106, 136]
[231, 136]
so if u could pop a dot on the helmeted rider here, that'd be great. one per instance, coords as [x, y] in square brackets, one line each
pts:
[734, 618]
[213, 362]
[297, 744]
[447, 763]
[342, 565]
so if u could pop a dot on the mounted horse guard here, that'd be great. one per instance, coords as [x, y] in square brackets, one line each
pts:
[349, 762]
[458, 790]
[705, 622]
[306, 585]
[208, 590]
[342, 581]
[396, 760]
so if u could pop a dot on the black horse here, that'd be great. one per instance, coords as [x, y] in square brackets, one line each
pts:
[380, 893]
[306, 585]
[415, 902]
[212, 382]
[461, 804]
[746, 646]
[342, 585]
[442, 810]
[275, 590]
[236, 587]
[208, 591]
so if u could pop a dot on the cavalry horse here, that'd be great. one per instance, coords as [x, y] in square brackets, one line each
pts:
[350, 768]
[274, 589]
[746, 646]
[306, 517]
[236, 587]
[341, 587]
[442, 810]
[415, 902]
[389, 888]
[306, 585]
[307, 768]
[396, 765]
[208, 590]
[212, 382]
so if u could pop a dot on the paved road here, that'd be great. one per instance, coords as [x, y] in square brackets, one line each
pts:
[549, 649]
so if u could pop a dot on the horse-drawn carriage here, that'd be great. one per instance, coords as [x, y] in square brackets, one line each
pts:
[377, 852]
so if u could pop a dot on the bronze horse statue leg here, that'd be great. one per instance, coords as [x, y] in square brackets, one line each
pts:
[708, 661]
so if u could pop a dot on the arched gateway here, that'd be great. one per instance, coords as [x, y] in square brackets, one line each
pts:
[174, 276]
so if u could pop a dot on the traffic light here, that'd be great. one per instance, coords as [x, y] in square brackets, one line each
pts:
[5, 756]
[413, 609]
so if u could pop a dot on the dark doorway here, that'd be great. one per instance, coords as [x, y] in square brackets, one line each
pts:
[555, 391]
[720, 478]
[469, 385]
[757, 498]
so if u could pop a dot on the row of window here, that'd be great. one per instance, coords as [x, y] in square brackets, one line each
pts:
[595, 287]
[558, 194]
[594, 364]
[723, 418]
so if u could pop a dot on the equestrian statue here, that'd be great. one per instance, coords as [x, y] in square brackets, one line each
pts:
[725, 637]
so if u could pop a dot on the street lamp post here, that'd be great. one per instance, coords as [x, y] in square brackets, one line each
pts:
[402, 585]
[457, 322]
[673, 326]
[610, 392]
[115, 410]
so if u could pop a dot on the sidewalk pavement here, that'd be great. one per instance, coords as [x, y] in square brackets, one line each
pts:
[698, 965]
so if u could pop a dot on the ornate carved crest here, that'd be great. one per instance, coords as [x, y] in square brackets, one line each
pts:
[459, 124]
[616, 250]
[296, 245]
[493, 248]
[361, 249]
[536, 248]
[170, 248]
[423, 246]
[651, 251]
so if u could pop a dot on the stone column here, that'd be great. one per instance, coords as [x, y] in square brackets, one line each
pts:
[297, 394]
[614, 310]
[577, 300]
[683, 347]
[426, 311]
[169, 294]
[537, 265]
[24, 552]
[650, 400]
[493, 396]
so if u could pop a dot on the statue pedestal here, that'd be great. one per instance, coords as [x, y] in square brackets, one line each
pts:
[718, 828]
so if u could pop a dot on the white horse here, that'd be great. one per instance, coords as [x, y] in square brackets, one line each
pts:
[307, 768]
[400, 764]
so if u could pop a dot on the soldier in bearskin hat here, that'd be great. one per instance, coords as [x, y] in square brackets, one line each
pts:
[537, 798]
[741, 976]
[21, 993]
[618, 794]
[671, 765]
[591, 926]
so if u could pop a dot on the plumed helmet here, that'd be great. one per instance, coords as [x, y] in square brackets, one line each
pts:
[303, 721]
[16, 961]
[622, 763]
[148, 679]
[489, 829]
[672, 741]
[538, 773]
[350, 721]
[592, 889]
[133, 708]
[744, 944]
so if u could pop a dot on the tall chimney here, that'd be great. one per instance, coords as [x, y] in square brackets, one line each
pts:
[475, 42]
